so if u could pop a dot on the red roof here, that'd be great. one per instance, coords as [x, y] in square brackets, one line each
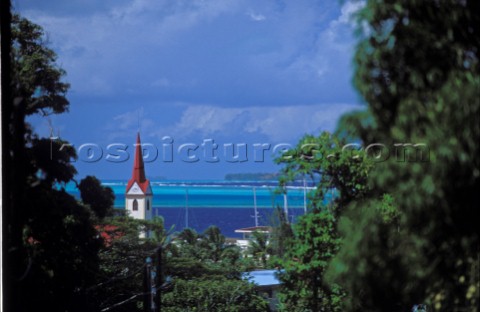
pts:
[108, 233]
[138, 174]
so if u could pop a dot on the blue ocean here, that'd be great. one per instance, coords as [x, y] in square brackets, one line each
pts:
[226, 204]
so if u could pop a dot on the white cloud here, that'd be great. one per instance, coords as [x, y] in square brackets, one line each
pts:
[256, 17]
[109, 51]
[342, 27]
[291, 122]
[126, 124]
[108, 46]
[275, 123]
[205, 120]
[349, 9]
[312, 45]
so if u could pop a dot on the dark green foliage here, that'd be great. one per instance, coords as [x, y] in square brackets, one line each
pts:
[187, 268]
[260, 248]
[409, 47]
[338, 170]
[281, 234]
[212, 243]
[364, 261]
[192, 275]
[187, 242]
[62, 250]
[51, 242]
[122, 261]
[188, 236]
[48, 163]
[36, 77]
[207, 246]
[388, 210]
[189, 264]
[231, 256]
[417, 67]
[204, 254]
[98, 197]
[315, 241]
[355, 125]
[213, 294]
[205, 274]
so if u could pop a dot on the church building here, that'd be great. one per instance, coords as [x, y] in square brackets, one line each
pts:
[138, 195]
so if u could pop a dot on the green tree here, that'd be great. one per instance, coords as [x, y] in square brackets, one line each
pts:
[188, 236]
[205, 254]
[213, 294]
[259, 247]
[36, 76]
[378, 220]
[119, 283]
[62, 248]
[232, 255]
[99, 198]
[212, 243]
[205, 275]
[340, 175]
[281, 234]
[417, 68]
[53, 246]
[339, 171]
[315, 243]
[188, 241]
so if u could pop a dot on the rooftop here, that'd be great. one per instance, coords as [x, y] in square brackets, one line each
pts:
[262, 229]
[263, 277]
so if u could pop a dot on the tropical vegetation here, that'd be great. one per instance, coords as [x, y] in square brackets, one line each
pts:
[389, 228]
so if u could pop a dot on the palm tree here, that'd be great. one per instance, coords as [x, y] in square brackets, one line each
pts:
[188, 236]
[259, 247]
[214, 242]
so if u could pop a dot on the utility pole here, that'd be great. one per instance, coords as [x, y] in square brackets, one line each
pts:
[304, 196]
[285, 205]
[152, 283]
[186, 208]
[159, 281]
[255, 206]
[147, 286]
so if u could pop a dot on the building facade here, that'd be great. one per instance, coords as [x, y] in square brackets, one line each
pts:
[138, 194]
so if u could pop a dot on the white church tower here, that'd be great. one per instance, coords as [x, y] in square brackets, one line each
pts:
[138, 195]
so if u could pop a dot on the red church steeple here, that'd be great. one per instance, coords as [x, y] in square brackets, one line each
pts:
[138, 173]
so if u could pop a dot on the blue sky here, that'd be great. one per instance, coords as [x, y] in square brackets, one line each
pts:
[231, 71]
